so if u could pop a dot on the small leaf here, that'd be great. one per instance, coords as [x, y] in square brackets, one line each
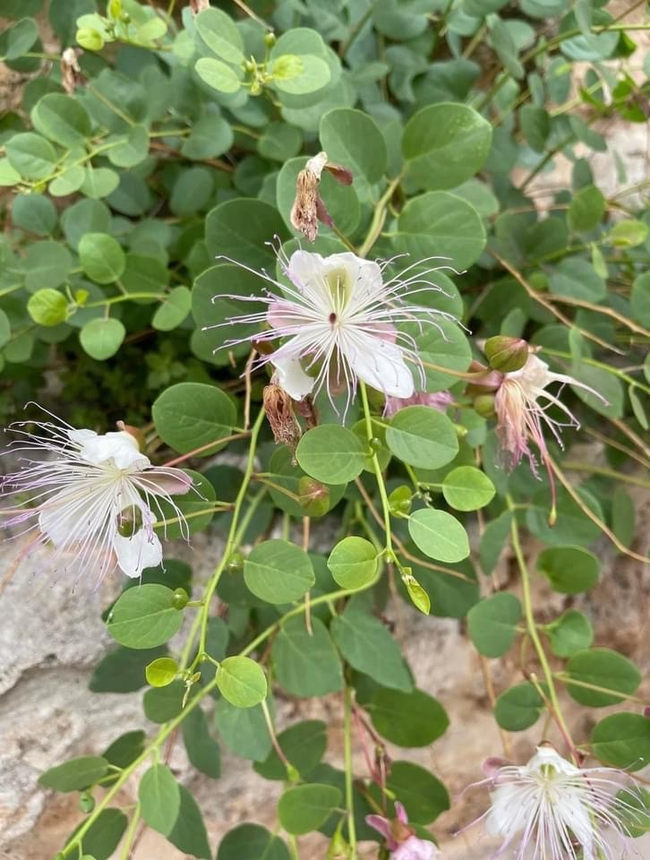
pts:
[144, 617]
[217, 75]
[305, 807]
[76, 774]
[439, 535]
[161, 671]
[160, 798]
[492, 623]
[353, 562]
[241, 681]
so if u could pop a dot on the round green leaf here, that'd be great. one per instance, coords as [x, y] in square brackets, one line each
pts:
[303, 745]
[76, 774]
[190, 415]
[576, 279]
[251, 842]
[439, 535]
[518, 708]
[34, 212]
[299, 74]
[5, 329]
[467, 488]
[570, 569]
[445, 144]
[622, 740]
[570, 633]
[306, 664]
[99, 182]
[492, 624]
[17, 40]
[48, 307]
[239, 229]
[353, 140]
[423, 437]
[603, 668]
[174, 309]
[408, 719]
[304, 808]
[639, 298]
[220, 34]
[101, 257]
[241, 681]
[144, 617]
[353, 562]
[48, 265]
[278, 571]
[160, 798]
[31, 155]
[68, 182]
[101, 338]
[217, 75]
[243, 730]
[161, 671]
[423, 796]
[61, 118]
[332, 454]
[449, 226]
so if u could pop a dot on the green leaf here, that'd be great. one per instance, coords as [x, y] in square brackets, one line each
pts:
[353, 562]
[252, 842]
[605, 383]
[202, 749]
[76, 774]
[241, 681]
[144, 617]
[586, 209]
[190, 415]
[48, 307]
[572, 526]
[104, 834]
[576, 279]
[445, 144]
[412, 719]
[160, 798]
[125, 749]
[306, 663]
[129, 149]
[68, 182]
[601, 667]
[5, 329]
[368, 647]
[302, 744]
[298, 74]
[122, 670]
[31, 155]
[622, 740]
[439, 535]
[189, 834]
[422, 437]
[61, 118]
[535, 125]
[353, 140]
[278, 571]
[423, 796]
[332, 454]
[217, 75]
[305, 807]
[518, 708]
[445, 226]
[161, 671]
[174, 309]
[466, 488]
[162, 704]
[639, 298]
[48, 265]
[244, 731]
[239, 229]
[220, 34]
[101, 258]
[570, 569]
[492, 624]
[101, 338]
[570, 633]
[17, 40]
[194, 505]
[628, 234]
[34, 212]
[210, 137]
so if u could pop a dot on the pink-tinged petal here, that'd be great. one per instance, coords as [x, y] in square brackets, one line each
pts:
[381, 825]
[135, 553]
[400, 812]
[290, 376]
[172, 482]
[281, 314]
[380, 364]
[415, 849]
[492, 765]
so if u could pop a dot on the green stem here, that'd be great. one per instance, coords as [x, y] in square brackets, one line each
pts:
[231, 541]
[347, 752]
[130, 834]
[570, 466]
[377, 470]
[534, 635]
[379, 217]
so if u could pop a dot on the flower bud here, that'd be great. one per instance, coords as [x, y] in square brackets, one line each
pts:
[180, 598]
[90, 39]
[269, 39]
[235, 563]
[399, 501]
[506, 354]
[114, 9]
[338, 847]
[314, 496]
[484, 405]
[137, 434]
[86, 802]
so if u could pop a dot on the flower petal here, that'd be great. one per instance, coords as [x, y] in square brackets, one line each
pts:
[379, 363]
[120, 447]
[135, 553]
[162, 481]
[290, 376]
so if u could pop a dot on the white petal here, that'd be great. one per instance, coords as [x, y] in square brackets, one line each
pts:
[120, 448]
[62, 516]
[290, 376]
[136, 553]
[546, 756]
[507, 815]
[379, 363]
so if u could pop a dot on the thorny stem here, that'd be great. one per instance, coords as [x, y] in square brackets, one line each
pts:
[534, 636]
[347, 752]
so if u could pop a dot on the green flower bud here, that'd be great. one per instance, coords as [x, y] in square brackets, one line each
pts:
[114, 9]
[399, 501]
[235, 563]
[86, 802]
[90, 39]
[484, 405]
[314, 496]
[338, 847]
[180, 598]
[506, 354]
[375, 445]
[269, 39]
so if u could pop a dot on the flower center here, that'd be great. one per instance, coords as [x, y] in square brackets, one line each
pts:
[333, 318]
